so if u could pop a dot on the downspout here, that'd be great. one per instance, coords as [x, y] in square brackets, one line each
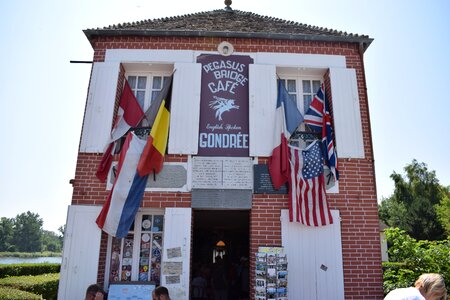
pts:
[362, 49]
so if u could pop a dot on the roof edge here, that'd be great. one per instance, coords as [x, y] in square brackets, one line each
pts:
[91, 33]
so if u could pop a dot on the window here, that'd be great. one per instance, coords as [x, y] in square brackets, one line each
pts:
[137, 257]
[302, 90]
[146, 87]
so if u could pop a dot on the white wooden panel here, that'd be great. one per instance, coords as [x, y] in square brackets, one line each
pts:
[262, 106]
[177, 234]
[314, 259]
[185, 109]
[346, 113]
[81, 252]
[139, 55]
[99, 111]
[300, 60]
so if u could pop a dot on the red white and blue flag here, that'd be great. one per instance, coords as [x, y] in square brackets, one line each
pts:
[123, 201]
[129, 115]
[287, 119]
[318, 118]
[307, 198]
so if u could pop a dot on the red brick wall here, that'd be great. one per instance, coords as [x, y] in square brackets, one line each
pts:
[356, 200]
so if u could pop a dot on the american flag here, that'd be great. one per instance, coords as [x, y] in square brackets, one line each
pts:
[307, 199]
[318, 118]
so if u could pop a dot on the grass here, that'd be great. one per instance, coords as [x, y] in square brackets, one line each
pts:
[30, 254]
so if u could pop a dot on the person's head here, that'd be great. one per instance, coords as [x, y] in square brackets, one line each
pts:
[431, 286]
[94, 291]
[160, 293]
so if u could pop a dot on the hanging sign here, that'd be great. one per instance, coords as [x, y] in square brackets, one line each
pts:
[223, 128]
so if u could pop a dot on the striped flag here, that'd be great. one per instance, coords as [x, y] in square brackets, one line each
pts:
[129, 115]
[307, 198]
[125, 197]
[318, 118]
[152, 158]
[287, 119]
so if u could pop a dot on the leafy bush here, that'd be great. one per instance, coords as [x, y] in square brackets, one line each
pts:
[28, 269]
[410, 258]
[45, 284]
[7, 293]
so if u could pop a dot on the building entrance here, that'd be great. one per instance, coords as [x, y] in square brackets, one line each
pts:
[220, 254]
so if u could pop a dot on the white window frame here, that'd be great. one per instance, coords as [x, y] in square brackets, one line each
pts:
[136, 246]
[149, 84]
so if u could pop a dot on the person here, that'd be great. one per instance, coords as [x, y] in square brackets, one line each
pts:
[94, 292]
[430, 286]
[219, 282]
[160, 293]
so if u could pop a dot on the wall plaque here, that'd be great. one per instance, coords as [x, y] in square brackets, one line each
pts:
[222, 173]
[263, 182]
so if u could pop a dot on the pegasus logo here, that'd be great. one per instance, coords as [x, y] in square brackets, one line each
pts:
[221, 105]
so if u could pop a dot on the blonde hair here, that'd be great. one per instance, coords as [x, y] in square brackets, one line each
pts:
[431, 284]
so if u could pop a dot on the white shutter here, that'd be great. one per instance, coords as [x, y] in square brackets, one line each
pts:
[262, 106]
[314, 256]
[99, 111]
[81, 252]
[177, 235]
[185, 109]
[346, 112]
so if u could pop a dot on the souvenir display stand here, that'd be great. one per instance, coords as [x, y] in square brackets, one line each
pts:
[271, 274]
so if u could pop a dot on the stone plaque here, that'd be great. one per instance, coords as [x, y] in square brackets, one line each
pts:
[222, 173]
[263, 182]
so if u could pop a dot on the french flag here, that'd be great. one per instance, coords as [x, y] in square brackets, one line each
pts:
[287, 119]
[125, 197]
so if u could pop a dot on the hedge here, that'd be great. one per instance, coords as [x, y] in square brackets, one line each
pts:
[45, 284]
[7, 293]
[28, 269]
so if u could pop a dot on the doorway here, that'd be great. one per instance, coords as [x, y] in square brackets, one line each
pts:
[220, 254]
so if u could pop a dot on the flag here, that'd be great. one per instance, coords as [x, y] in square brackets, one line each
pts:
[287, 119]
[307, 198]
[152, 158]
[124, 199]
[318, 118]
[129, 115]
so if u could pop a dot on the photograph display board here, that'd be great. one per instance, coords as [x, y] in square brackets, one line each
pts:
[271, 274]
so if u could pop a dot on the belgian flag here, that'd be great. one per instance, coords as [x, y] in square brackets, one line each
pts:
[152, 157]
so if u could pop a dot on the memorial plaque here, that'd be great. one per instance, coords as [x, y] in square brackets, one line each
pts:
[172, 176]
[263, 182]
[222, 173]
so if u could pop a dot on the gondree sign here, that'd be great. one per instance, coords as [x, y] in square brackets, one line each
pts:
[223, 128]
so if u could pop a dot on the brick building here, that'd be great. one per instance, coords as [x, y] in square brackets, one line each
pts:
[186, 210]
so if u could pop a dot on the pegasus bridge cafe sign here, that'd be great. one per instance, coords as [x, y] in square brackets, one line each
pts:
[223, 128]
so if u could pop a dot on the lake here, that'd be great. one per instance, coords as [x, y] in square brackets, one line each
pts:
[33, 260]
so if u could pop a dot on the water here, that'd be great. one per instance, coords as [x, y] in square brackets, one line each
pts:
[34, 260]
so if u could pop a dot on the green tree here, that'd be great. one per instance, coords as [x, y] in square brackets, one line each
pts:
[28, 232]
[412, 207]
[51, 241]
[443, 211]
[6, 234]
[409, 258]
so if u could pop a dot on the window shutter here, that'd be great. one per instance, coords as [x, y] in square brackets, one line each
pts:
[346, 112]
[314, 257]
[262, 106]
[81, 252]
[177, 235]
[98, 115]
[185, 109]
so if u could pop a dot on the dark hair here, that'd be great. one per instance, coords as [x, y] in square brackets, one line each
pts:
[93, 289]
[161, 290]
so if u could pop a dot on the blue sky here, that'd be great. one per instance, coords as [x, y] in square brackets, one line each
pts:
[43, 95]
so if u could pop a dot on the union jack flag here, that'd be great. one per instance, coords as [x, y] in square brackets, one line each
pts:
[319, 120]
[307, 198]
